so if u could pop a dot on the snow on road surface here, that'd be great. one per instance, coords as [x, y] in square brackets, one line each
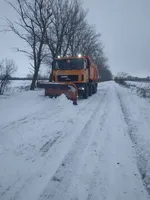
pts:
[52, 150]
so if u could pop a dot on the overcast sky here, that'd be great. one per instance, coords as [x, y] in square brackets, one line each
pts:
[125, 29]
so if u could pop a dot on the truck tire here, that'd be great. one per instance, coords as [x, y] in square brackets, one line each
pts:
[86, 92]
[90, 90]
[93, 89]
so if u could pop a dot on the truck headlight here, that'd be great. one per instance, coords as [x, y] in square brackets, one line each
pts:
[81, 88]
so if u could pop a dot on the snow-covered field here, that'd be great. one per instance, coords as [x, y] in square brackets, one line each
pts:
[139, 84]
[52, 150]
[16, 86]
[141, 88]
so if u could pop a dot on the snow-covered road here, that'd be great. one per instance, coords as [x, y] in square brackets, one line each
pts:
[52, 150]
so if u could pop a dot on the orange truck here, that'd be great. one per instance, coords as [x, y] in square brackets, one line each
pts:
[73, 76]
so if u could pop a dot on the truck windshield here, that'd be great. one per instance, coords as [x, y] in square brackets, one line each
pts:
[68, 64]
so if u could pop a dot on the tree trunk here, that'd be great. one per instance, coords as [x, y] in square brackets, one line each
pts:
[35, 76]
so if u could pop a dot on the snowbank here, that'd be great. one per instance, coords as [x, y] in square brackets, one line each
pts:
[24, 104]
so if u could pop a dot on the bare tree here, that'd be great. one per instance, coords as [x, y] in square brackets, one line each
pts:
[85, 41]
[68, 15]
[105, 74]
[53, 28]
[7, 69]
[123, 75]
[34, 18]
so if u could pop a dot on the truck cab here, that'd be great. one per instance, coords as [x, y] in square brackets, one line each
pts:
[80, 71]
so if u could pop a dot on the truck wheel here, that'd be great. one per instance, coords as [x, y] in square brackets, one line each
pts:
[93, 89]
[90, 90]
[86, 92]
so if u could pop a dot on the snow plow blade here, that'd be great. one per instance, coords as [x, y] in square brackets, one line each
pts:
[57, 89]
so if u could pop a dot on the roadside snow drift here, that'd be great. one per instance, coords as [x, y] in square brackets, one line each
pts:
[51, 149]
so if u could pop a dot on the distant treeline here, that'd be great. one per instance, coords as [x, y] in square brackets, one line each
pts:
[137, 79]
[25, 78]
[125, 77]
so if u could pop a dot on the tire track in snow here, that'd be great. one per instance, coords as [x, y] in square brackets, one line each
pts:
[141, 160]
[72, 130]
[69, 166]
[61, 180]
[116, 175]
[45, 148]
[111, 178]
[62, 131]
[31, 121]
